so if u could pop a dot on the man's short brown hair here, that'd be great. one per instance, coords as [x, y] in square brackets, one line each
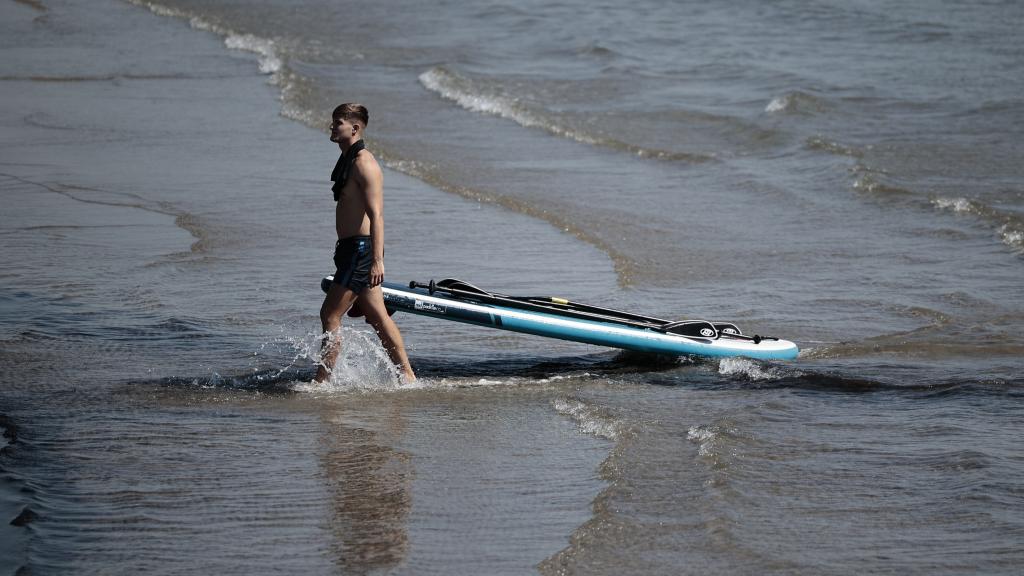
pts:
[352, 111]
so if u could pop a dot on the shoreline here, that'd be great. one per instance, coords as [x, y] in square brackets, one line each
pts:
[125, 170]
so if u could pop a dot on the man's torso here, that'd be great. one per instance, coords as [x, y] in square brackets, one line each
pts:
[350, 217]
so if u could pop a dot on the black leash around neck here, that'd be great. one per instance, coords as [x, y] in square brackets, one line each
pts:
[343, 168]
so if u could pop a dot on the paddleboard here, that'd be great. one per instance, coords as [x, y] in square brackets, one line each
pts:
[565, 320]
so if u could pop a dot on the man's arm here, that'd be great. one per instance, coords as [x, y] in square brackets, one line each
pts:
[373, 188]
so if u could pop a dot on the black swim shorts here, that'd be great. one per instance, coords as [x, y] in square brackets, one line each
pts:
[353, 256]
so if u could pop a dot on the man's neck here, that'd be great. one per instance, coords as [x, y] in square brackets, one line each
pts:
[346, 144]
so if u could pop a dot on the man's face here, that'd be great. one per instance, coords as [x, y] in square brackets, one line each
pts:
[341, 129]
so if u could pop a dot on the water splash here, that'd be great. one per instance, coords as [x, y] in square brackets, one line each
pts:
[748, 369]
[362, 365]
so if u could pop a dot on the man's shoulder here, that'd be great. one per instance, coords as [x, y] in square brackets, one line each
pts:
[366, 159]
[366, 164]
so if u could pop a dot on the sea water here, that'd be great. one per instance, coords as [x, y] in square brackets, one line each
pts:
[845, 175]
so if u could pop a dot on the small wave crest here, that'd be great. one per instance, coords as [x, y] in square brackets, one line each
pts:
[589, 419]
[468, 94]
[709, 439]
[478, 96]
[962, 205]
[824, 144]
[269, 61]
[796, 102]
[874, 182]
[1009, 226]
[878, 182]
[1012, 237]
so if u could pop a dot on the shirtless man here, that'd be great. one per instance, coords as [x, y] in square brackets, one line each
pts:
[359, 254]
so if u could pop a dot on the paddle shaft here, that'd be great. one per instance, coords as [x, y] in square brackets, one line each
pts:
[564, 307]
[522, 305]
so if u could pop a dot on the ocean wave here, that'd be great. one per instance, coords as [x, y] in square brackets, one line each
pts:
[874, 182]
[712, 440]
[269, 60]
[476, 96]
[962, 205]
[589, 419]
[1009, 226]
[824, 144]
[796, 102]
[1012, 236]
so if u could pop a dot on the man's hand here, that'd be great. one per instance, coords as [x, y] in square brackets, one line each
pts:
[376, 273]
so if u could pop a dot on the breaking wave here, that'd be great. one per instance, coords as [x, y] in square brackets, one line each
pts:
[269, 60]
[476, 96]
[796, 102]
[1008, 225]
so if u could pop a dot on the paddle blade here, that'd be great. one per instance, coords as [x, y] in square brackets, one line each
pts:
[454, 284]
[691, 328]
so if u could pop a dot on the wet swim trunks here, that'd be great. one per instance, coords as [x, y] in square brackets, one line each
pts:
[353, 256]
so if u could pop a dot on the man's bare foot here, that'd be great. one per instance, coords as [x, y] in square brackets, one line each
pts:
[321, 375]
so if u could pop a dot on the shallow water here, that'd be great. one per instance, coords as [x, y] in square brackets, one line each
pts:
[844, 175]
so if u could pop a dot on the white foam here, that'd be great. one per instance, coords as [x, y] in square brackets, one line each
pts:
[704, 436]
[590, 420]
[468, 94]
[795, 101]
[269, 62]
[749, 369]
[1011, 237]
[462, 91]
[961, 205]
[778, 104]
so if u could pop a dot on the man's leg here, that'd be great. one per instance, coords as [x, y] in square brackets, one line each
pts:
[372, 303]
[339, 299]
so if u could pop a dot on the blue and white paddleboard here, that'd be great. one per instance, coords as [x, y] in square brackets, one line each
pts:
[557, 318]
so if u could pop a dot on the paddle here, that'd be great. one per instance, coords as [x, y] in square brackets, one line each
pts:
[562, 307]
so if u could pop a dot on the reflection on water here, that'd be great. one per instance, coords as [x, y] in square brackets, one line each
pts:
[368, 483]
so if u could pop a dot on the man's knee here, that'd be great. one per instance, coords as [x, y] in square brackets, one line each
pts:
[376, 318]
[329, 317]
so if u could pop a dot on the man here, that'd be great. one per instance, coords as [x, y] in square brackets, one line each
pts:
[359, 253]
